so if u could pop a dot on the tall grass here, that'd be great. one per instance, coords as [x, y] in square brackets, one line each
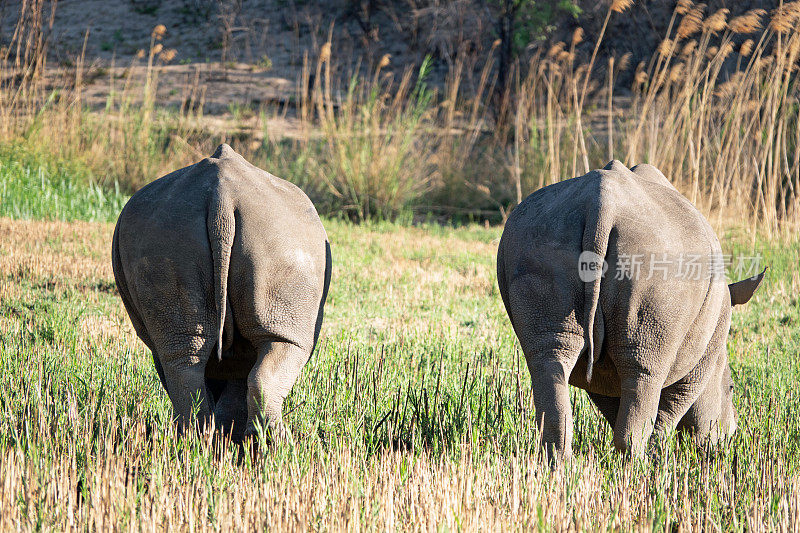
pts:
[729, 142]
[375, 154]
[715, 109]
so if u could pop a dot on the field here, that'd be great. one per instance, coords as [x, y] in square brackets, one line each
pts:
[414, 412]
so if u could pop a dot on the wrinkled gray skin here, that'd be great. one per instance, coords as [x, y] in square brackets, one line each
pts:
[224, 270]
[651, 353]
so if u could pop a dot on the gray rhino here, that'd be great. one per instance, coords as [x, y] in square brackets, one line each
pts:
[224, 270]
[614, 283]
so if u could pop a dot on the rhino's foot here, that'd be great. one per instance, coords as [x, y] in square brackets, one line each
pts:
[269, 433]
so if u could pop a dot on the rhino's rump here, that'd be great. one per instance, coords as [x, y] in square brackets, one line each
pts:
[659, 318]
[166, 261]
[648, 325]
[165, 257]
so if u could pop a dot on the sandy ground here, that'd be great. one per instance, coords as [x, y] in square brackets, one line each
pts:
[245, 52]
[252, 51]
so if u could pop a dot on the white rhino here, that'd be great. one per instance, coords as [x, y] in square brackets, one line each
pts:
[224, 270]
[646, 339]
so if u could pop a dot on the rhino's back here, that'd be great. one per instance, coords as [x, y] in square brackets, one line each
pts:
[645, 217]
[647, 214]
[652, 217]
[180, 199]
[642, 199]
[279, 243]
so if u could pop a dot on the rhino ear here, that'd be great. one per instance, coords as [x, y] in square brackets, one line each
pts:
[742, 291]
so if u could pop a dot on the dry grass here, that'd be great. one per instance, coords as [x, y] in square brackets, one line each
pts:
[49, 252]
[372, 146]
[393, 492]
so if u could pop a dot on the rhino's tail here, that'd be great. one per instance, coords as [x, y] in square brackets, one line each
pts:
[221, 225]
[599, 221]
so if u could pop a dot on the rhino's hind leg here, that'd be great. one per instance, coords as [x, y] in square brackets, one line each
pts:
[269, 382]
[638, 409]
[551, 400]
[184, 373]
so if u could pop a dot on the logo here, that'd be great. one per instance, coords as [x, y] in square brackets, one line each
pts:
[591, 267]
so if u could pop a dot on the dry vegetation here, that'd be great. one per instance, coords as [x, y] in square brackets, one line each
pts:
[380, 146]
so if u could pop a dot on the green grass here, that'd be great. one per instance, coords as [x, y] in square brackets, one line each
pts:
[416, 398]
[41, 187]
